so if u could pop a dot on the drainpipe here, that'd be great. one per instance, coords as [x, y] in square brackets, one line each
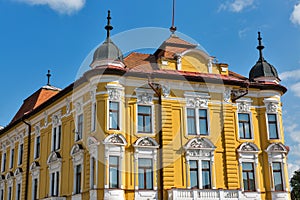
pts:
[28, 158]
[157, 89]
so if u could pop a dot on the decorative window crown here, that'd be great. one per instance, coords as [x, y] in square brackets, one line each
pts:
[243, 105]
[115, 139]
[196, 100]
[272, 105]
[115, 92]
[146, 142]
[248, 147]
[144, 96]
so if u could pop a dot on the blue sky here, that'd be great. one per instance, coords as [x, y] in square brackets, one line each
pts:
[37, 35]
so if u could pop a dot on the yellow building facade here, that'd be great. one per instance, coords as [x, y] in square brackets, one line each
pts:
[171, 125]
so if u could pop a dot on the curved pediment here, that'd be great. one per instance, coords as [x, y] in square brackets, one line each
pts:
[77, 148]
[53, 157]
[199, 143]
[34, 166]
[146, 142]
[248, 147]
[277, 148]
[115, 139]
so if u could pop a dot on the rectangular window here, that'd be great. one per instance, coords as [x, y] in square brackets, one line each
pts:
[20, 155]
[248, 176]
[18, 194]
[9, 196]
[203, 122]
[56, 138]
[94, 115]
[206, 176]
[272, 124]
[114, 115]
[92, 173]
[191, 121]
[113, 172]
[35, 189]
[197, 123]
[244, 126]
[144, 119]
[79, 127]
[12, 155]
[145, 169]
[194, 176]
[3, 163]
[78, 179]
[37, 147]
[277, 176]
[54, 183]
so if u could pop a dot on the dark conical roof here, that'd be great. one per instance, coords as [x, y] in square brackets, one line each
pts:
[262, 69]
[108, 51]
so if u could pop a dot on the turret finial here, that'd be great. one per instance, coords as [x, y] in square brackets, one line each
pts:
[260, 47]
[108, 27]
[173, 28]
[48, 77]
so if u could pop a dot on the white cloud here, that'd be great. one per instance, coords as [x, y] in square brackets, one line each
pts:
[292, 167]
[60, 6]
[243, 33]
[295, 75]
[236, 5]
[295, 16]
[296, 89]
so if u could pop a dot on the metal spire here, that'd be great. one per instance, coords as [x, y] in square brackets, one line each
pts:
[108, 27]
[260, 47]
[173, 28]
[48, 76]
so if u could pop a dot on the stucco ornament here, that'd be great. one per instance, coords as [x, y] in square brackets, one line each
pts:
[197, 102]
[272, 107]
[243, 106]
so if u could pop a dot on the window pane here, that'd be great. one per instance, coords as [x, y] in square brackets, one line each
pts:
[114, 115]
[272, 118]
[144, 119]
[244, 126]
[194, 174]
[248, 176]
[206, 175]
[277, 173]
[145, 173]
[113, 172]
[191, 122]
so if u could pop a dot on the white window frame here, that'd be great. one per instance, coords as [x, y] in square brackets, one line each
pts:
[18, 177]
[54, 163]
[145, 147]
[3, 161]
[77, 154]
[10, 182]
[197, 101]
[79, 111]
[37, 134]
[20, 153]
[115, 94]
[93, 117]
[56, 125]
[277, 152]
[243, 107]
[114, 146]
[272, 107]
[93, 150]
[200, 149]
[248, 153]
[35, 174]
[2, 186]
[11, 157]
[145, 98]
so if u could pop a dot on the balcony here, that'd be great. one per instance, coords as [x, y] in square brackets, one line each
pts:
[191, 194]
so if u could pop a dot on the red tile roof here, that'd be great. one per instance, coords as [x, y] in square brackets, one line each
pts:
[36, 99]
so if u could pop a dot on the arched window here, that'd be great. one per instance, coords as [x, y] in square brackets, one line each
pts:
[54, 165]
[35, 173]
[145, 167]
[277, 153]
[248, 161]
[199, 154]
[114, 154]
